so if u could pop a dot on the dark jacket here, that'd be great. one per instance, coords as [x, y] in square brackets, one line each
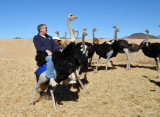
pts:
[43, 44]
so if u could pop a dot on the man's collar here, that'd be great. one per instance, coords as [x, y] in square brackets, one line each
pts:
[43, 36]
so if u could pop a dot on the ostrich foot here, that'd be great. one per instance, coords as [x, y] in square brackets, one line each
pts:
[127, 68]
[96, 70]
[32, 103]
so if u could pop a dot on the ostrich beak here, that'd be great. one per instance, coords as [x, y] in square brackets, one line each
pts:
[74, 17]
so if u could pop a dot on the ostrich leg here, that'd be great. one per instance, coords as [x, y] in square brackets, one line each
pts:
[77, 78]
[42, 79]
[98, 63]
[157, 66]
[109, 54]
[127, 54]
[53, 100]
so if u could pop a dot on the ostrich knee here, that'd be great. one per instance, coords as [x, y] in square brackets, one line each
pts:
[109, 54]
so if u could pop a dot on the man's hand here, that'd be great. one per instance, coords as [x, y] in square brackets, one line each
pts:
[49, 52]
[60, 50]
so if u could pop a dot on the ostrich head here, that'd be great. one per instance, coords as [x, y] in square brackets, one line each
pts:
[117, 30]
[71, 17]
[57, 32]
[77, 31]
[147, 31]
[115, 27]
[94, 29]
[84, 29]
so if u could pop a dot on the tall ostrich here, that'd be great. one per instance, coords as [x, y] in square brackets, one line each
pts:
[70, 60]
[77, 36]
[125, 47]
[151, 50]
[57, 32]
[106, 50]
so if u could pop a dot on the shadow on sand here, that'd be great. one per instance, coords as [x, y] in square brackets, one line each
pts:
[135, 66]
[152, 81]
[63, 93]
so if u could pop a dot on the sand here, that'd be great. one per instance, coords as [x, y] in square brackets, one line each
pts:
[114, 93]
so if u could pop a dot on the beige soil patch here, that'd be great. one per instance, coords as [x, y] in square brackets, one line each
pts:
[115, 93]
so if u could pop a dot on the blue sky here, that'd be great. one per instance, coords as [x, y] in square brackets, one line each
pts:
[19, 18]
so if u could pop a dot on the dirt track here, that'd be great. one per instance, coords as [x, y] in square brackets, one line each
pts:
[115, 93]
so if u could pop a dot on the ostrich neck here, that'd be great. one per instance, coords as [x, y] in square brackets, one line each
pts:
[93, 38]
[77, 38]
[70, 30]
[115, 36]
[147, 37]
[65, 35]
[83, 44]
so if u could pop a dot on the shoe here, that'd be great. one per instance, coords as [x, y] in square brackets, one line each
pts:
[52, 82]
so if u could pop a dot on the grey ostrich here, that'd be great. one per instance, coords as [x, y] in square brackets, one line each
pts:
[125, 47]
[151, 50]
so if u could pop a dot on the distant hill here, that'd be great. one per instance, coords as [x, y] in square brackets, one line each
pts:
[125, 37]
[141, 36]
[158, 36]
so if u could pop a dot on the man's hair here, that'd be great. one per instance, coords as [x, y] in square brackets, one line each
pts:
[39, 27]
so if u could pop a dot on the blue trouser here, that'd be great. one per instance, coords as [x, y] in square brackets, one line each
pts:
[50, 67]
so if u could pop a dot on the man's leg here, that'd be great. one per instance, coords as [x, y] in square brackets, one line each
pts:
[50, 71]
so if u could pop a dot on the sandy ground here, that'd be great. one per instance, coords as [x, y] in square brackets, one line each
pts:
[114, 93]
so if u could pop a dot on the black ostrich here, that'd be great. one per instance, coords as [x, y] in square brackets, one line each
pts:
[89, 48]
[106, 50]
[69, 61]
[151, 50]
[126, 47]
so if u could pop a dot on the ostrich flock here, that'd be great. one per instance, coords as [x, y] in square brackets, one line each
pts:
[77, 56]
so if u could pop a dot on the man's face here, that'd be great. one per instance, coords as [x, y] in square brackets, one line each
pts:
[44, 29]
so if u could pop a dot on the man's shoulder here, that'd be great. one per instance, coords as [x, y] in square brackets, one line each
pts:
[35, 36]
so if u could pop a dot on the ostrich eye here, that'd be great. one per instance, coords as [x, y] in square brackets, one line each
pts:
[71, 15]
